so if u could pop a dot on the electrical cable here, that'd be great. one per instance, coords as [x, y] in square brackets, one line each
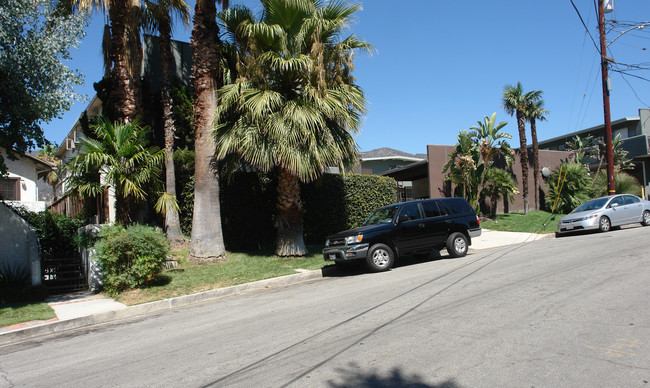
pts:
[585, 26]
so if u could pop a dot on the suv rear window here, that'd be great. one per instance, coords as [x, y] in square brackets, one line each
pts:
[431, 209]
[457, 206]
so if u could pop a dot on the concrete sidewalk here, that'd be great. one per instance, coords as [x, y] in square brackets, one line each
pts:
[84, 308]
[495, 238]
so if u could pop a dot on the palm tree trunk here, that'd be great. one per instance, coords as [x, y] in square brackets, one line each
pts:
[122, 96]
[206, 243]
[289, 223]
[521, 126]
[533, 135]
[172, 221]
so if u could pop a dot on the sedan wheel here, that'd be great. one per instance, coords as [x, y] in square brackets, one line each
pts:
[646, 218]
[380, 258]
[604, 224]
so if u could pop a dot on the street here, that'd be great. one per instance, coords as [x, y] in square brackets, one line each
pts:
[567, 312]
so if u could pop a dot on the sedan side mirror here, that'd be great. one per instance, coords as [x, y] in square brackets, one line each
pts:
[613, 205]
[403, 218]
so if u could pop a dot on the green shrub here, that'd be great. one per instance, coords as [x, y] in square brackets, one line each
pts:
[56, 234]
[623, 184]
[568, 190]
[335, 202]
[130, 257]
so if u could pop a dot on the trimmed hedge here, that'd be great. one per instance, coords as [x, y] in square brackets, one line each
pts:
[330, 204]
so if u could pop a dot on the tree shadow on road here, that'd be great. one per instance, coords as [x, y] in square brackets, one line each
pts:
[353, 377]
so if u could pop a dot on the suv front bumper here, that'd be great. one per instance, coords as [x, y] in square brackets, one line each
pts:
[348, 252]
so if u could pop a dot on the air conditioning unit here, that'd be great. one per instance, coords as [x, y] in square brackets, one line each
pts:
[69, 144]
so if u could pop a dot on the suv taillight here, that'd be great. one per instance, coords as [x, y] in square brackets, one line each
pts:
[478, 221]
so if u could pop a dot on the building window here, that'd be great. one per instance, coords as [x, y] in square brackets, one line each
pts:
[623, 132]
[10, 189]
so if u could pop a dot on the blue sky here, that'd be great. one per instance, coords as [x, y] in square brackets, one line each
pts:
[440, 66]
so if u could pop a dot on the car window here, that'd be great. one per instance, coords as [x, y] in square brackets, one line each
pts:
[457, 206]
[616, 200]
[381, 216]
[410, 212]
[630, 199]
[594, 204]
[431, 209]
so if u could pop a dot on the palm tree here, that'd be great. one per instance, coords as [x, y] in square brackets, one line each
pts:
[294, 106]
[124, 18]
[53, 178]
[206, 243]
[499, 183]
[159, 16]
[121, 156]
[535, 112]
[491, 141]
[515, 101]
[584, 148]
[466, 168]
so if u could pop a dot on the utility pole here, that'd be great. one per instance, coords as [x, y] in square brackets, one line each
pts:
[608, 122]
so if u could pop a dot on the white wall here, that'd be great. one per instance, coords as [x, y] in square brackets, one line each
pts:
[24, 169]
[19, 244]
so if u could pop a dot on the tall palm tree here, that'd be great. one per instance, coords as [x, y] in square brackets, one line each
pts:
[122, 156]
[206, 242]
[124, 18]
[294, 106]
[536, 112]
[515, 101]
[158, 16]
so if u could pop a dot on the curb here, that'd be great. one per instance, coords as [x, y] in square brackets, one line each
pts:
[51, 327]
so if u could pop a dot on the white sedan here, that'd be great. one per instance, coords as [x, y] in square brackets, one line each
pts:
[605, 212]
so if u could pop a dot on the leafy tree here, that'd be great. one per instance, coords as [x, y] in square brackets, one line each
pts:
[536, 112]
[471, 161]
[584, 148]
[568, 187]
[36, 84]
[294, 105]
[206, 243]
[498, 183]
[491, 141]
[620, 155]
[515, 101]
[158, 16]
[118, 159]
[465, 169]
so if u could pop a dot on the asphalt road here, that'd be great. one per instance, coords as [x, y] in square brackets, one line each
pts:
[568, 312]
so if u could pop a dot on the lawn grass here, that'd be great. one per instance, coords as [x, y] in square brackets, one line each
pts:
[18, 312]
[534, 222]
[188, 278]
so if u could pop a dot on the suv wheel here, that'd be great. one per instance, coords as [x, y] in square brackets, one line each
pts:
[457, 245]
[380, 258]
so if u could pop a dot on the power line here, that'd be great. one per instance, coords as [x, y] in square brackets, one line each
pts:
[633, 91]
[585, 25]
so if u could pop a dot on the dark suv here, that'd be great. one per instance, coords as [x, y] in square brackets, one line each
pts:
[406, 228]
